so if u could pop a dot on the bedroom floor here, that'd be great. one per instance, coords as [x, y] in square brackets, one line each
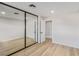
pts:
[10, 46]
[48, 49]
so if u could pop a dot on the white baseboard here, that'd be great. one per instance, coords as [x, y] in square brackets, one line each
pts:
[66, 44]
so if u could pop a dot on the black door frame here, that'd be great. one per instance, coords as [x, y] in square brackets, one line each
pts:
[25, 18]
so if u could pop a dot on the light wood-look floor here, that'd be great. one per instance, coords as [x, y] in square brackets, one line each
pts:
[11, 46]
[48, 49]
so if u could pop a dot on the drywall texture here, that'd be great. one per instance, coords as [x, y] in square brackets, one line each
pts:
[66, 30]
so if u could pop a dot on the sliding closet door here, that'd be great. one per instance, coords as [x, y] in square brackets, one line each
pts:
[31, 29]
[11, 30]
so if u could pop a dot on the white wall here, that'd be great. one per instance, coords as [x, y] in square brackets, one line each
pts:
[66, 31]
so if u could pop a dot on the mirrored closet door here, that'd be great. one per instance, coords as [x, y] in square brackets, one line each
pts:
[18, 29]
[31, 29]
[11, 30]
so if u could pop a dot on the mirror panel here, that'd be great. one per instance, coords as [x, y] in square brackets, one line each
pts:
[11, 30]
[31, 29]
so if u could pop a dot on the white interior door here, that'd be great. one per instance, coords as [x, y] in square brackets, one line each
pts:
[42, 30]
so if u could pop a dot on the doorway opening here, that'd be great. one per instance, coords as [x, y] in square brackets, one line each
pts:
[48, 30]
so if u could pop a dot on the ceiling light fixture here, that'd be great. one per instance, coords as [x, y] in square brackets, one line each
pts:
[52, 11]
[3, 12]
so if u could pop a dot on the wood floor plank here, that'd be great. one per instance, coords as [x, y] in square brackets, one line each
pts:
[40, 50]
[47, 48]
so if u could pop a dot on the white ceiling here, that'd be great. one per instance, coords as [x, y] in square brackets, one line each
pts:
[61, 9]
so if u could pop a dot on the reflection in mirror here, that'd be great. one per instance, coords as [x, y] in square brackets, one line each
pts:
[11, 30]
[31, 29]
